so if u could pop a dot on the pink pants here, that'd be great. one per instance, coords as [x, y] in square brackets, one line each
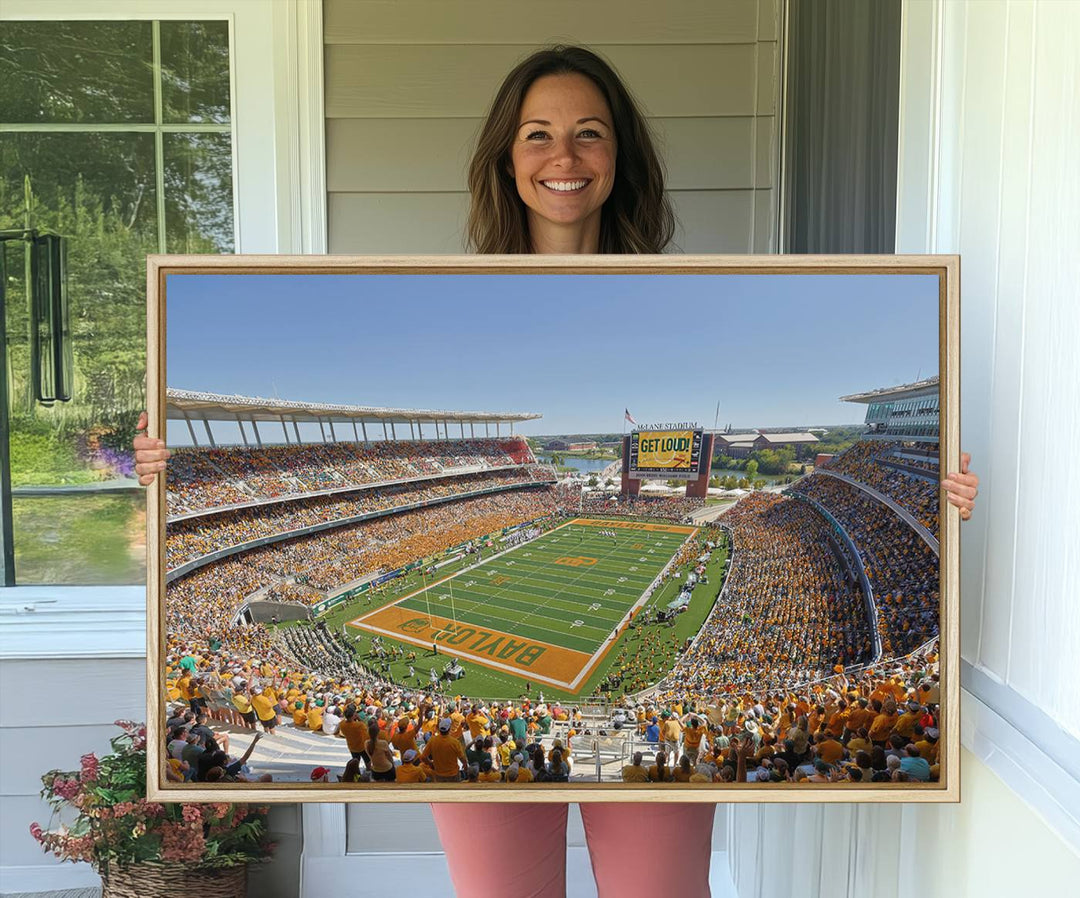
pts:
[635, 849]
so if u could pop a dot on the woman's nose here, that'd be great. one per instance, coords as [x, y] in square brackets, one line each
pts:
[564, 150]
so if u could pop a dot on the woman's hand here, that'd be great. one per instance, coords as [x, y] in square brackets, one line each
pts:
[150, 454]
[962, 488]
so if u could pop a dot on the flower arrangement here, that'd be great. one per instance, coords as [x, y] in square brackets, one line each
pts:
[116, 825]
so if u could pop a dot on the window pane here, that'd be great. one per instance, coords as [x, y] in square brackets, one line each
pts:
[76, 72]
[81, 540]
[198, 193]
[195, 71]
[98, 191]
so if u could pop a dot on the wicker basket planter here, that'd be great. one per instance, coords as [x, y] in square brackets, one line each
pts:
[150, 880]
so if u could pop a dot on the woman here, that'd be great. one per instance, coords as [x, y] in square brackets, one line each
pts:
[351, 773]
[659, 772]
[382, 758]
[565, 164]
[558, 771]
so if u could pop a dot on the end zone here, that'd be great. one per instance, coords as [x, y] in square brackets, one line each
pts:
[527, 658]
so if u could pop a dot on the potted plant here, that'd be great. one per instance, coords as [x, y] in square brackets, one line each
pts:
[144, 848]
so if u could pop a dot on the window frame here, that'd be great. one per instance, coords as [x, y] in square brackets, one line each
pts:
[279, 206]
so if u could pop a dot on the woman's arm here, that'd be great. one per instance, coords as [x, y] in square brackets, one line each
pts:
[236, 765]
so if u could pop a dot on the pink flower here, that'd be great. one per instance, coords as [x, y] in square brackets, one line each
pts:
[65, 788]
[89, 767]
[181, 842]
[192, 814]
[37, 832]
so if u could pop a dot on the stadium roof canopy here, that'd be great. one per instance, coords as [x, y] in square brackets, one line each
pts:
[903, 391]
[214, 406]
[190, 406]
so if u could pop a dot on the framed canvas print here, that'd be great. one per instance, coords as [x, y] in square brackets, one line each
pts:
[541, 528]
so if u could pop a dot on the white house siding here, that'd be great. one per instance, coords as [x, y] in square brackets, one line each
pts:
[989, 138]
[54, 710]
[408, 84]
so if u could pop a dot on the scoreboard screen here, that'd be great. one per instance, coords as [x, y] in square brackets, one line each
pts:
[665, 454]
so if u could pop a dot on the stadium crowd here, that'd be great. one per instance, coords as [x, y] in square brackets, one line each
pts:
[202, 478]
[789, 609]
[193, 538]
[878, 726]
[787, 614]
[865, 462]
[882, 725]
[328, 560]
[901, 567]
[665, 508]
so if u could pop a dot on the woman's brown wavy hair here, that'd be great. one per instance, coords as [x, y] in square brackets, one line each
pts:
[637, 216]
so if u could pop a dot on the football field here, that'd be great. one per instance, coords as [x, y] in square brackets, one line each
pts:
[547, 610]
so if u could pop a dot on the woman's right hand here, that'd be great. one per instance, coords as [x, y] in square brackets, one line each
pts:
[150, 454]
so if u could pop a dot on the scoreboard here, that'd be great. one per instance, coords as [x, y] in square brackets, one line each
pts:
[671, 452]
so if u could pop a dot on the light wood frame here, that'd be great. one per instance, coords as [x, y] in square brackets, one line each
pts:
[945, 267]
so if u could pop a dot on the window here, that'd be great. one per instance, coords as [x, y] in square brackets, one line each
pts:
[118, 136]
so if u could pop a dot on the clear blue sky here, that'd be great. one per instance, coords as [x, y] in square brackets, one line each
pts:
[775, 350]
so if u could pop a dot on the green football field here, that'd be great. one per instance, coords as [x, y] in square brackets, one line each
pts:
[528, 593]
[546, 609]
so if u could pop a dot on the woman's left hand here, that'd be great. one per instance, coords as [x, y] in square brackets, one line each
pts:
[962, 488]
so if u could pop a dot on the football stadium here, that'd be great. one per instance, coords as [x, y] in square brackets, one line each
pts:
[411, 595]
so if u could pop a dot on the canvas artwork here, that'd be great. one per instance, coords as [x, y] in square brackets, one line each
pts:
[459, 529]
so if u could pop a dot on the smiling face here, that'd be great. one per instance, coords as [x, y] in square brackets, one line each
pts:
[563, 162]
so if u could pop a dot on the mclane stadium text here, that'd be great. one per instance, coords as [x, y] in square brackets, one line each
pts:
[683, 425]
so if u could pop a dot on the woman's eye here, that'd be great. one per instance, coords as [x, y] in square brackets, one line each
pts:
[589, 132]
[536, 135]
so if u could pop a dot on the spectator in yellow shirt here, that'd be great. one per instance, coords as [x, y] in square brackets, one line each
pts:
[315, 715]
[300, 713]
[446, 752]
[355, 732]
[692, 736]
[860, 742]
[263, 705]
[521, 773]
[404, 737]
[410, 770]
[830, 751]
[883, 724]
[906, 723]
[242, 702]
[457, 724]
[477, 722]
[659, 772]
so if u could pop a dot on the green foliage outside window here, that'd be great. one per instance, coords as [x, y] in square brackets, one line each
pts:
[89, 150]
